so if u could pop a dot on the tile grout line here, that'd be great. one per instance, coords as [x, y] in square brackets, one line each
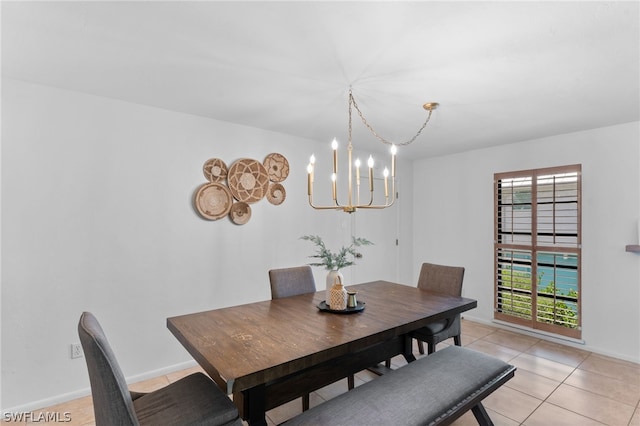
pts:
[525, 352]
[583, 390]
[552, 392]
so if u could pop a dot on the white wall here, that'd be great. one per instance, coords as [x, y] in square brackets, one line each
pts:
[453, 211]
[97, 215]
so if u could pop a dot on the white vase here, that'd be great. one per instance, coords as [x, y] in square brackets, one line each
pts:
[332, 276]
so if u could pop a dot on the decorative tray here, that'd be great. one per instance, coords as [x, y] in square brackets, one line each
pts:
[323, 307]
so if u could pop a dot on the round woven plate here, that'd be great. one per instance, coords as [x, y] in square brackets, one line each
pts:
[276, 194]
[215, 170]
[240, 213]
[213, 201]
[248, 180]
[277, 166]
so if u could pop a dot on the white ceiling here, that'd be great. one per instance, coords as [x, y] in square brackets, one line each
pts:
[502, 72]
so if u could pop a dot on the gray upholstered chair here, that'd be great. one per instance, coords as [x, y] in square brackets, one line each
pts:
[287, 282]
[446, 280]
[193, 400]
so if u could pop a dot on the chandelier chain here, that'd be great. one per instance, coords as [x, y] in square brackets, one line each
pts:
[352, 101]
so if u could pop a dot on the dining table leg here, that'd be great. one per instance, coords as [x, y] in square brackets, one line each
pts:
[408, 348]
[254, 400]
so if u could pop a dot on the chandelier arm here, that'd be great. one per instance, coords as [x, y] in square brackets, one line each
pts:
[334, 207]
[370, 200]
[353, 102]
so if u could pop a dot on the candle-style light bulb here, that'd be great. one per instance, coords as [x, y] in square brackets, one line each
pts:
[357, 164]
[334, 146]
[311, 167]
[309, 178]
[394, 151]
[333, 186]
[370, 164]
[385, 173]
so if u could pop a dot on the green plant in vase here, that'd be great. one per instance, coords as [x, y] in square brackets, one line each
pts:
[334, 261]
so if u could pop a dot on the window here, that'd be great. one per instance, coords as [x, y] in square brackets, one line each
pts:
[538, 249]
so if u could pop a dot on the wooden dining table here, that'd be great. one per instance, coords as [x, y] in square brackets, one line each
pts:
[271, 352]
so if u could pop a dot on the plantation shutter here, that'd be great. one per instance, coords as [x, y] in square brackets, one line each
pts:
[537, 248]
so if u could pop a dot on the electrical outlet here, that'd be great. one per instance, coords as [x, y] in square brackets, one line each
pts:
[76, 350]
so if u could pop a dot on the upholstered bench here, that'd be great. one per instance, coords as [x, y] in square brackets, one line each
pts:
[433, 390]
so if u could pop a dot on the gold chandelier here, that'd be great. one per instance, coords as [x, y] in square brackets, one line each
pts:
[353, 200]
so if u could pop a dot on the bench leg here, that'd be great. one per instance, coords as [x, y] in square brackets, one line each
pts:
[481, 415]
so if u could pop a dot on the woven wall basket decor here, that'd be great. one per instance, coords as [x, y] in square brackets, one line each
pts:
[231, 190]
[248, 180]
[240, 213]
[277, 167]
[213, 201]
[276, 194]
[215, 170]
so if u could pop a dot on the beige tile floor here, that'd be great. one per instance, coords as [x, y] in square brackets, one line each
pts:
[554, 385]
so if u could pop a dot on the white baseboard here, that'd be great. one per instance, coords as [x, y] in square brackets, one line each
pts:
[567, 341]
[66, 397]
